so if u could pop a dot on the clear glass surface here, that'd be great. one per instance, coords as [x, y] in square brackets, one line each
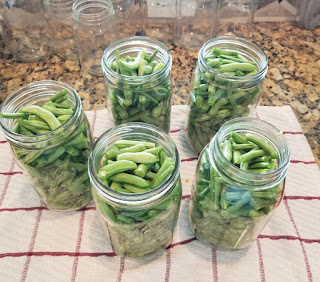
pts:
[59, 16]
[196, 22]
[95, 29]
[25, 30]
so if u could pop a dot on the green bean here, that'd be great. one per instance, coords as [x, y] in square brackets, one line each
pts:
[141, 170]
[52, 121]
[59, 95]
[133, 149]
[129, 143]
[140, 157]
[58, 111]
[116, 167]
[263, 145]
[136, 63]
[235, 59]
[220, 51]
[237, 66]
[130, 179]
[250, 155]
[160, 178]
[134, 188]
[14, 115]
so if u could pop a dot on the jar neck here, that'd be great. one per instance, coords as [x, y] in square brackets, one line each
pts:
[134, 131]
[244, 47]
[93, 12]
[241, 178]
[38, 93]
[131, 47]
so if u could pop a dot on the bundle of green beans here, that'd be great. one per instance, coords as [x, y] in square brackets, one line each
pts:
[132, 166]
[147, 102]
[223, 214]
[59, 172]
[215, 100]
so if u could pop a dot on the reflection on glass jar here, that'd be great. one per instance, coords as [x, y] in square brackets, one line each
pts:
[239, 183]
[59, 15]
[95, 28]
[52, 149]
[236, 17]
[196, 22]
[226, 84]
[132, 93]
[25, 30]
[138, 223]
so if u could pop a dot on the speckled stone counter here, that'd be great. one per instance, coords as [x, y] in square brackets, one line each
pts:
[293, 77]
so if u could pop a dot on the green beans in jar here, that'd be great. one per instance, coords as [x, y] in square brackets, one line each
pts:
[137, 72]
[134, 170]
[51, 140]
[226, 85]
[239, 183]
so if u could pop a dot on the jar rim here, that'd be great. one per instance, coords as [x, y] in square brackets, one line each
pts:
[92, 18]
[242, 178]
[254, 79]
[23, 95]
[131, 42]
[132, 199]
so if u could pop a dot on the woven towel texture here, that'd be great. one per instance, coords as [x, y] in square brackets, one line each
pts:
[37, 244]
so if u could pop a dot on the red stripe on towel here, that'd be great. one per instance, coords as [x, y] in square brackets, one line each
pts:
[6, 185]
[76, 259]
[11, 173]
[168, 265]
[122, 260]
[31, 247]
[214, 265]
[261, 265]
[304, 162]
[175, 130]
[292, 132]
[306, 261]
[189, 160]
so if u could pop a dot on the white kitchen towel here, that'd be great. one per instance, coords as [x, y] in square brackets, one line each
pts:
[37, 244]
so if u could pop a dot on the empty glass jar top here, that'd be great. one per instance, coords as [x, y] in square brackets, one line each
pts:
[95, 28]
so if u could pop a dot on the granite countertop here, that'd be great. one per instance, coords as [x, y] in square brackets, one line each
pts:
[293, 77]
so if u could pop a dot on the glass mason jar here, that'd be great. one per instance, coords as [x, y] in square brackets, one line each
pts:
[59, 16]
[125, 13]
[236, 17]
[216, 97]
[95, 28]
[139, 98]
[138, 224]
[24, 29]
[56, 161]
[196, 22]
[230, 206]
[161, 19]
